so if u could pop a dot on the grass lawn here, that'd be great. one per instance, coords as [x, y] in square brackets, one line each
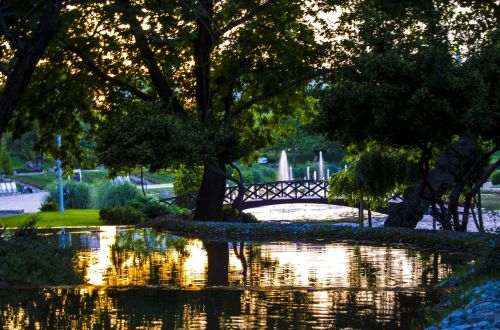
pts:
[491, 201]
[43, 180]
[159, 177]
[55, 219]
[19, 164]
[94, 176]
[37, 180]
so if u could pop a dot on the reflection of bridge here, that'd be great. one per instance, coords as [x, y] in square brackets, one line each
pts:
[268, 193]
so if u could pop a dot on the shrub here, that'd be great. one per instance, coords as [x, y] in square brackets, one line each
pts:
[149, 207]
[120, 215]
[49, 205]
[77, 195]
[231, 214]
[495, 178]
[112, 194]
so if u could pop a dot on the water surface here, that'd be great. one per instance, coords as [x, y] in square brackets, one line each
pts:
[144, 279]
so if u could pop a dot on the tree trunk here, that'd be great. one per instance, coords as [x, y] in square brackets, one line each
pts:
[211, 194]
[142, 182]
[454, 161]
[218, 263]
[480, 212]
[369, 216]
[361, 213]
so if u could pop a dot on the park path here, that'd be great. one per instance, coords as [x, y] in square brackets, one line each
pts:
[29, 203]
[156, 186]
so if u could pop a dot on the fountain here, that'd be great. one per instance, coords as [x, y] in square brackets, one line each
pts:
[321, 167]
[308, 174]
[283, 173]
[291, 174]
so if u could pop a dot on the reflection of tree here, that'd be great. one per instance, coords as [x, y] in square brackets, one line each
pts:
[361, 270]
[266, 270]
[210, 309]
[240, 254]
[147, 257]
[218, 263]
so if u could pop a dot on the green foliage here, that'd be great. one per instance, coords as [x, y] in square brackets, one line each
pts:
[120, 215]
[149, 207]
[231, 214]
[49, 205]
[256, 173]
[490, 262]
[5, 160]
[495, 178]
[374, 176]
[42, 181]
[187, 179]
[28, 258]
[111, 194]
[401, 80]
[77, 195]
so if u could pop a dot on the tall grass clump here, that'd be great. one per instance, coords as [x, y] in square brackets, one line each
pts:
[77, 195]
[112, 194]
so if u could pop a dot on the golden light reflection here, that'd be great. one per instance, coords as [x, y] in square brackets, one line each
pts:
[147, 258]
[98, 258]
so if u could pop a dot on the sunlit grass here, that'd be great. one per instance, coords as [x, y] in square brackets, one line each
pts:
[55, 219]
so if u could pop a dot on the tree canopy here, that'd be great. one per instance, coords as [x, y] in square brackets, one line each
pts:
[416, 76]
[227, 72]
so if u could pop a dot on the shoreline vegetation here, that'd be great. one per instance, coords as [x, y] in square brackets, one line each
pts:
[467, 242]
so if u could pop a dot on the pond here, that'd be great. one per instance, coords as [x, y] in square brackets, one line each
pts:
[144, 279]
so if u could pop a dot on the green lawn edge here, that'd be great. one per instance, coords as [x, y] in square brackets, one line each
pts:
[70, 218]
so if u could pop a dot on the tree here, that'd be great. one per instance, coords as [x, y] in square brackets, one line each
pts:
[25, 32]
[409, 78]
[227, 70]
[371, 180]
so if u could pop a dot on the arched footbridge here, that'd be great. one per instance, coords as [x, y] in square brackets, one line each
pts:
[268, 193]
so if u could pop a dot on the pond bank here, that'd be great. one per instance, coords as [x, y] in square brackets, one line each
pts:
[482, 312]
[465, 242]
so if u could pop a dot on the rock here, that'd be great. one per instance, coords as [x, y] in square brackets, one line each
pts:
[480, 312]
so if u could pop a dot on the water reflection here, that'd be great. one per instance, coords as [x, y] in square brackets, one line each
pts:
[144, 257]
[145, 279]
[155, 308]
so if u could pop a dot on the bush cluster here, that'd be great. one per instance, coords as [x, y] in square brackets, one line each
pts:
[231, 214]
[77, 195]
[81, 195]
[49, 205]
[112, 194]
[120, 215]
[495, 178]
[136, 211]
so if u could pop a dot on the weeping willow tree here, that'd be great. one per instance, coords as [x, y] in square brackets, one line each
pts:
[371, 180]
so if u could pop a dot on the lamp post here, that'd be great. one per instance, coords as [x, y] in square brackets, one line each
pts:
[59, 178]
